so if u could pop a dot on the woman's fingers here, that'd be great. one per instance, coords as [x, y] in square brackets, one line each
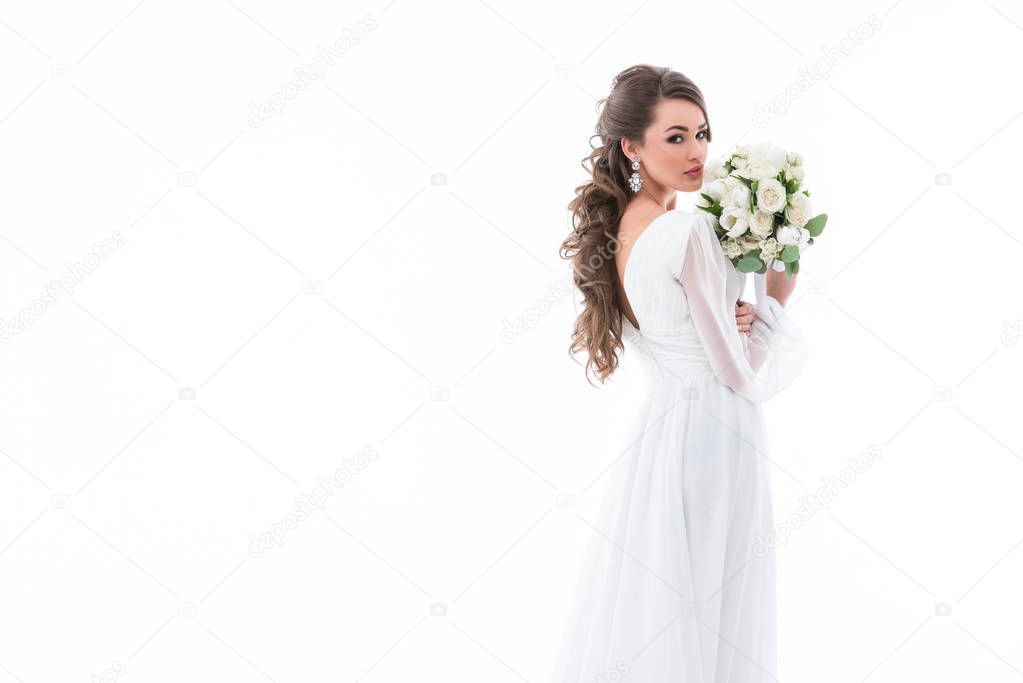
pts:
[744, 313]
[744, 316]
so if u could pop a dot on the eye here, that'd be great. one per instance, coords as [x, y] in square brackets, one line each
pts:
[679, 136]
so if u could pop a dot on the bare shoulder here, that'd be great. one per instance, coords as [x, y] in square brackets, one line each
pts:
[638, 218]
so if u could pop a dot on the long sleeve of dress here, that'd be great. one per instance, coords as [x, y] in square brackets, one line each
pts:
[772, 356]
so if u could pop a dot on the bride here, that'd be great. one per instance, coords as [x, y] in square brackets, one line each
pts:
[678, 581]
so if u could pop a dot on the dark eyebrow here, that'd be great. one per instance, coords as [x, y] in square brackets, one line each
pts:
[702, 126]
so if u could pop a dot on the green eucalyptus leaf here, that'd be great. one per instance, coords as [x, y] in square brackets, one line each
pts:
[789, 254]
[749, 264]
[816, 224]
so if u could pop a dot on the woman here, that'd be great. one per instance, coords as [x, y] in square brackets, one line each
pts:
[678, 584]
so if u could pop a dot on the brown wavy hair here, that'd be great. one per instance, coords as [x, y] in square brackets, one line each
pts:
[599, 204]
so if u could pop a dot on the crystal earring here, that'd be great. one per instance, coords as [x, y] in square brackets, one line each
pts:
[635, 180]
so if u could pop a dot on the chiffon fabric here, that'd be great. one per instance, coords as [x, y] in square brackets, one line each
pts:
[677, 584]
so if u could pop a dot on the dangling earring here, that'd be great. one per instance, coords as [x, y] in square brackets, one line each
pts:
[635, 180]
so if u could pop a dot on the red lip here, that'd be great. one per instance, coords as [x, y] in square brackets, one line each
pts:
[695, 170]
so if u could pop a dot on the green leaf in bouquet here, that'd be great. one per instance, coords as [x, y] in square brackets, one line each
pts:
[749, 264]
[816, 224]
[792, 186]
[791, 269]
[715, 206]
[747, 181]
[789, 254]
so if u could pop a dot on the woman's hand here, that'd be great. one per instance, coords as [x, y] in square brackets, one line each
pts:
[744, 316]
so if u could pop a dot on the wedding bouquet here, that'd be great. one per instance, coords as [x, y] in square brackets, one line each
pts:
[763, 212]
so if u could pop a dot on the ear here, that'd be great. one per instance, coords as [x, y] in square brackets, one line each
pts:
[629, 148]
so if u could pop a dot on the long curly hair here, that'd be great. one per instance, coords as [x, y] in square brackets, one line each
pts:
[599, 204]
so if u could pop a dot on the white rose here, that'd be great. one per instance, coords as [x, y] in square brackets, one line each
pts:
[798, 212]
[770, 150]
[776, 156]
[770, 196]
[765, 161]
[715, 169]
[730, 183]
[761, 169]
[734, 222]
[789, 235]
[762, 223]
[794, 159]
[795, 172]
[716, 189]
[731, 248]
[740, 196]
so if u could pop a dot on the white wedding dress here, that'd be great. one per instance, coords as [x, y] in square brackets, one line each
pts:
[678, 584]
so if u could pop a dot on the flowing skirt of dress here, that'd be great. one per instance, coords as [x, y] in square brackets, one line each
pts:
[678, 580]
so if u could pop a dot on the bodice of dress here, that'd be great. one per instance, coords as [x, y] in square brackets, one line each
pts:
[676, 265]
[669, 346]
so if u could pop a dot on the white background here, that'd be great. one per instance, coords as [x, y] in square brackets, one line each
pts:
[325, 294]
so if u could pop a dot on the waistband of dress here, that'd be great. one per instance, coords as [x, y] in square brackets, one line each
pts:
[689, 376]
